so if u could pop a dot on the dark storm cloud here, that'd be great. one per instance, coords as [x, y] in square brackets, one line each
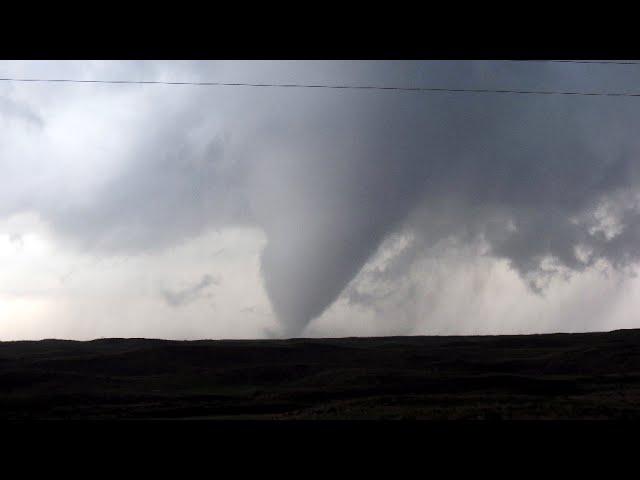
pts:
[163, 198]
[328, 175]
[523, 174]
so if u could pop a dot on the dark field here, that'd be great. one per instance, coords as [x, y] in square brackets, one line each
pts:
[560, 376]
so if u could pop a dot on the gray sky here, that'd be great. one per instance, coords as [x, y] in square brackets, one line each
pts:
[227, 212]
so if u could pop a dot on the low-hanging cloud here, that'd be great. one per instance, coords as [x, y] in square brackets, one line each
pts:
[176, 298]
[547, 183]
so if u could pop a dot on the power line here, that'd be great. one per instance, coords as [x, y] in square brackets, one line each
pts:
[597, 62]
[325, 86]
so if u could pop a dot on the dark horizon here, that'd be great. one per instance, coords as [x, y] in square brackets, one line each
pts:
[548, 376]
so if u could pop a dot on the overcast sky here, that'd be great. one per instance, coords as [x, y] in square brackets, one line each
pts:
[237, 212]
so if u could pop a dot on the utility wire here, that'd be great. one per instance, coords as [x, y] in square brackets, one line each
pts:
[598, 62]
[337, 87]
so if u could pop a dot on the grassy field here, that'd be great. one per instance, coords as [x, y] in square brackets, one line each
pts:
[559, 376]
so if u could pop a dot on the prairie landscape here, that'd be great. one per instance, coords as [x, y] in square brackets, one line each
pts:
[547, 376]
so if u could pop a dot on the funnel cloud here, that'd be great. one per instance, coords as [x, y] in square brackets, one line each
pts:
[361, 201]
